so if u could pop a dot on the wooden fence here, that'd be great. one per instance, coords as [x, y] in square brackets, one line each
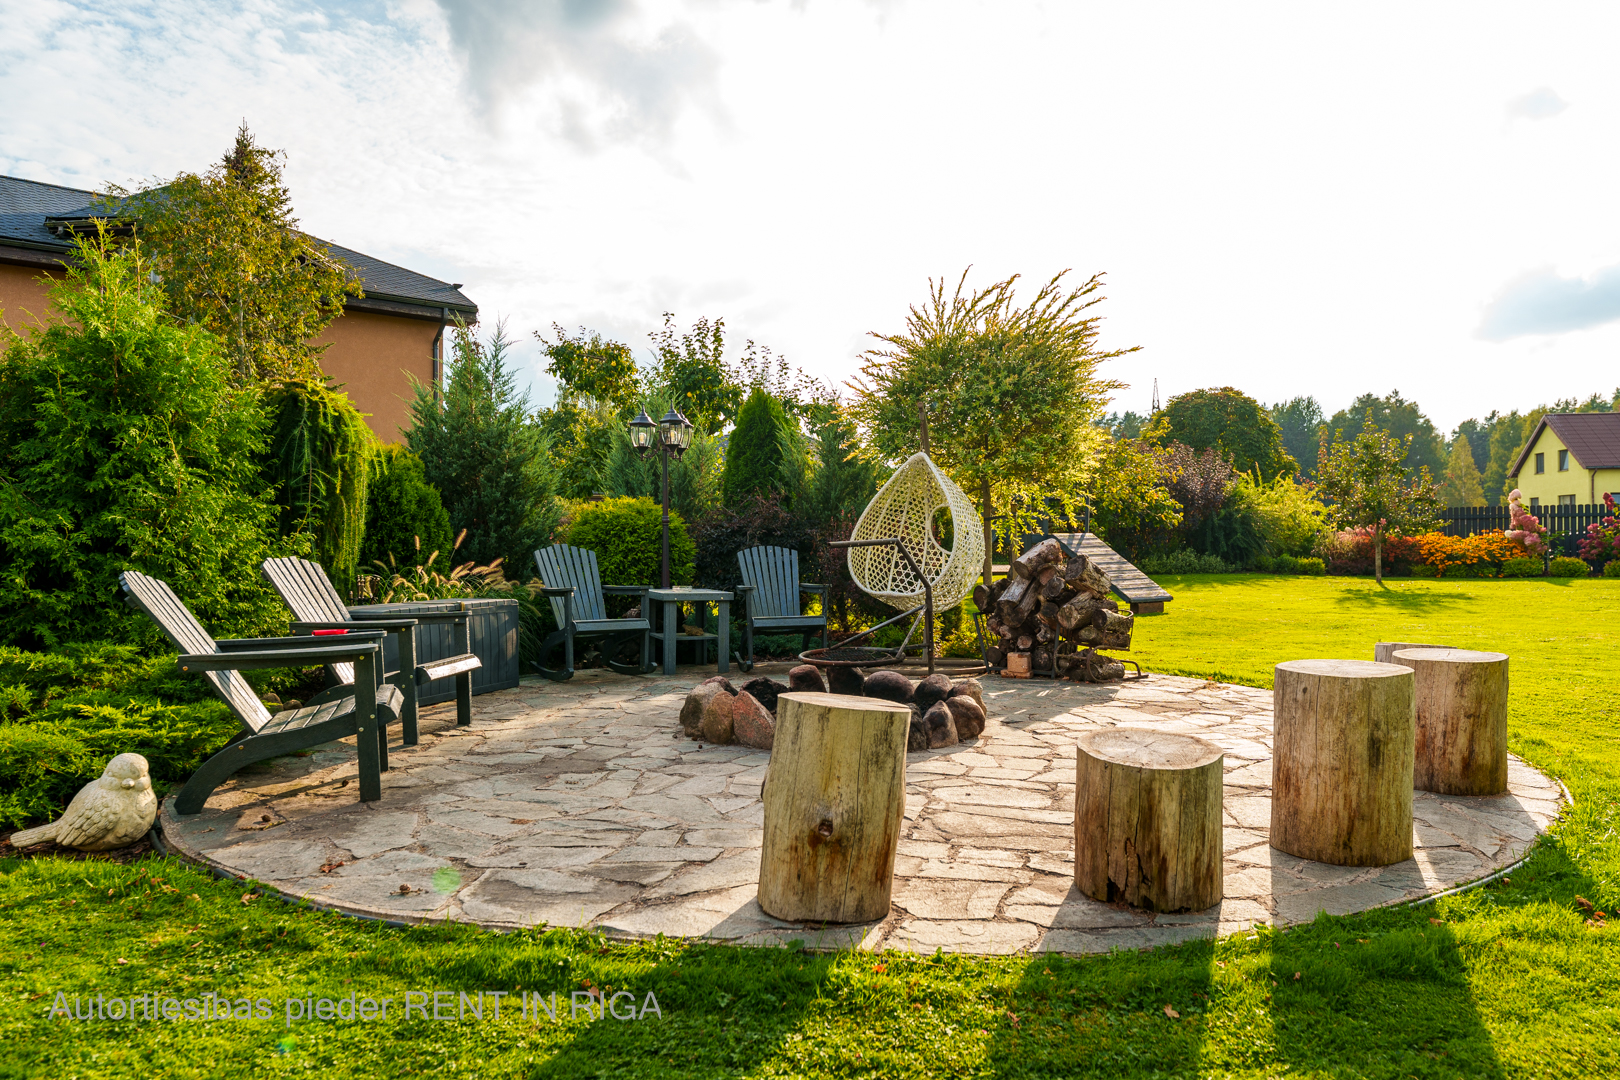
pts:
[1569, 520]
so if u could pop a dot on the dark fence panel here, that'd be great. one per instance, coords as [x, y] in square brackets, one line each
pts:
[1569, 520]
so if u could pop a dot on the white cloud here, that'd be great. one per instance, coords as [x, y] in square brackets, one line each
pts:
[1539, 104]
[1542, 302]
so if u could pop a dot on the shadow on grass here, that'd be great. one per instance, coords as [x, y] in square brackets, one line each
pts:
[1106, 1015]
[1386, 597]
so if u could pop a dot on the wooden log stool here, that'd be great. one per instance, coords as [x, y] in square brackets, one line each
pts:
[1341, 787]
[1147, 819]
[1461, 720]
[835, 796]
[1384, 651]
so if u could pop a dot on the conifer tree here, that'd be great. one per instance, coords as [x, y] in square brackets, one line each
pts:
[1461, 485]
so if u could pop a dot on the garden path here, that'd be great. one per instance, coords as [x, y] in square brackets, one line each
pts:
[581, 804]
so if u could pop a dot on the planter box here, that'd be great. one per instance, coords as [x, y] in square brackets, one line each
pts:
[492, 627]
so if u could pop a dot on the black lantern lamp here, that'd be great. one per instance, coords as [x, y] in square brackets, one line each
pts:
[674, 436]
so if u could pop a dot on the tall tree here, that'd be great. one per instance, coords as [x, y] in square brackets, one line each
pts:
[1300, 421]
[1367, 485]
[1401, 418]
[690, 370]
[1013, 393]
[230, 258]
[1478, 434]
[1226, 420]
[765, 454]
[486, 456]
[1507, 437]
[1461, 486]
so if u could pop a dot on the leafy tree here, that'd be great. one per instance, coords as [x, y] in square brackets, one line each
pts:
[1401, 418]
[227, 250]
[1507, 436]
[1012, 393]
[690, 370]
[1227, 420]
[406, 522]
[320, 461]
[1300, 421]
[1126, 425]
[598, 387]
[589, 366]
[1367, 485]
[124, 445]
[1289, 512]
[1461, 486]
[843, 481]
[765, 454]
[1478, 434]
[1131, 505]
[488, 459]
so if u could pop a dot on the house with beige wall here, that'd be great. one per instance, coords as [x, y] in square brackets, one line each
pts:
[1571, 459]
[394, 331]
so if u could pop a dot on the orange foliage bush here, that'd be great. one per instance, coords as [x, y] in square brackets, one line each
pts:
[1484, 551]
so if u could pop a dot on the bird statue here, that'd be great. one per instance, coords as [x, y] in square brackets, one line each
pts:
[107, 813]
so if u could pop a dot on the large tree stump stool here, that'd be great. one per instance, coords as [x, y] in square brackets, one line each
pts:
[1384, 651]
[834, 797]
[1341, 788]
[1461, 720]
[1147, 819]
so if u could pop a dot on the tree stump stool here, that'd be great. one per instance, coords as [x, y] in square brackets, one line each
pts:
[1147, 819]
[835, 796]
[1384, 651]
[1461, 720]
[1341, 789]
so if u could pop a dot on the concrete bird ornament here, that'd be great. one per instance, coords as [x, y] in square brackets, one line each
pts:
[107, 813]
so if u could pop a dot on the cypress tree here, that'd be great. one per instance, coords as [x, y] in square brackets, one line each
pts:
[765, 455]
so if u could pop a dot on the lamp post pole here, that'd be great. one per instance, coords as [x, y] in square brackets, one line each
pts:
[664, 577]
[674, 433]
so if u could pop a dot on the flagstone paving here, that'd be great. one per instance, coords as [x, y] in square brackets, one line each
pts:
[581, 804]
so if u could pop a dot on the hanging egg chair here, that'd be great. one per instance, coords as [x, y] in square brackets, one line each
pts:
[906, 509]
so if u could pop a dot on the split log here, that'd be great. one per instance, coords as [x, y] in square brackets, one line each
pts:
[1461, 720]
[1040, 658]
[996, 655]
[1082, 573]
[833, 808]
[1032, 562]
[981, 596]
[1078, 612]
[1054, 586]
[1007, 604]
[1342, 765]
[1048, 613]
[1025, 642]
[1114, 622]
[1147, 819]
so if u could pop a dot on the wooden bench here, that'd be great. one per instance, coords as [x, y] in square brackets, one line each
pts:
[365, 711]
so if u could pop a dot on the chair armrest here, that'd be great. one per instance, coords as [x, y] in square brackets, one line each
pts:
[302, 643]
[354, 624]
[191, 663]
[557, 592]
[810, 586]
[743, 590]
[626, 590]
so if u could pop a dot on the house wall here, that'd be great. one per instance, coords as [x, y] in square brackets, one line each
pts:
[372, 355]
[1586, 485]
[23, 302]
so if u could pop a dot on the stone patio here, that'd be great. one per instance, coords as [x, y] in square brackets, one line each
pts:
[581, 804]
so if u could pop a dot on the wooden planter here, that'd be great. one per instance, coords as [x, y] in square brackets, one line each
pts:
[492, 627]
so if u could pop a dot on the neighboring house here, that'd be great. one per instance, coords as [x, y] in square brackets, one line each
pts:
[394, 332]
[1571, 459]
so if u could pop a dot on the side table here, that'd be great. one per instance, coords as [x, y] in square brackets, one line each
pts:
[671, 635]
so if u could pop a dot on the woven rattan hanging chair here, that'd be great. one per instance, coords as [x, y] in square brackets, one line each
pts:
[905, 508]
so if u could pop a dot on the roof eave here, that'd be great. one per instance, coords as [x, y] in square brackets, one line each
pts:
[1524, 452]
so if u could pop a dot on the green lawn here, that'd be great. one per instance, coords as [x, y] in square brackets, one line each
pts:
[1508, 980]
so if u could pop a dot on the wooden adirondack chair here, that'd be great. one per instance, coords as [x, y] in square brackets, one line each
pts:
[366, 709]
[770, 595]
[571, 580]
[316, 605]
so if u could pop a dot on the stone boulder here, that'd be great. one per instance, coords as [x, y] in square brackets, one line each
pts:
[889, 686]
[718, 719]
[697, 700]
[846, 680]
[751, 724]
[934, 688]
[765, 691]
[806, 679]
[941, 726]
[968, 716]
[971, 688]
[917, 735]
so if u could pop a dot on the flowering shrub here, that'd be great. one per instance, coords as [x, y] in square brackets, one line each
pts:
[1482, 552]
[1350, 551]
[1601, 544]
[1427, 555]
[1527, 529]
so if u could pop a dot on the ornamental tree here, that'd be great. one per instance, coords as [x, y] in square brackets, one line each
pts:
[1366, 485]
[1012, 393]
[1228, 420]
[1461, 486]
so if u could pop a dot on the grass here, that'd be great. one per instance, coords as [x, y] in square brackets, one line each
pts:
[1511, 980]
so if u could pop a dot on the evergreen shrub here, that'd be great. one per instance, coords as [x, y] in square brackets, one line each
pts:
[406, 522]
[1424, 570]
[1611, 569]
[1521, 568]
[765, 454]
[1567, 567]
[626, 535]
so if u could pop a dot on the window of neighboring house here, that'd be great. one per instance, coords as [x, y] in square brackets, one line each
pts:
[1541, 463]
[1566, 500]
[1534, 502]
[1563, 461]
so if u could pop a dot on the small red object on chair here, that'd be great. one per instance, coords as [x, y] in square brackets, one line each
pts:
[327, 633]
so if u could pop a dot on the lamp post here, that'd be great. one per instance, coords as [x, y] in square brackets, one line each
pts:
[673, 436]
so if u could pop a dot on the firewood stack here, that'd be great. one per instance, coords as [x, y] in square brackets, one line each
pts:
[1057, 611]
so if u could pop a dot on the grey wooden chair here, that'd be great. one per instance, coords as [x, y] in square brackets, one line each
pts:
[569, 576]
[771, 598]
[365, 707]
[316, 606]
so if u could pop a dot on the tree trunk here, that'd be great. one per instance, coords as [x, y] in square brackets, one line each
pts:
[1378, 554]
[1384, 651]
[1147, 819]
[834, 800]
[1461, 720]
[1342, 761]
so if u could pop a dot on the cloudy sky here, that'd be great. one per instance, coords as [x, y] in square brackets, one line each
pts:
[1292, 199]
